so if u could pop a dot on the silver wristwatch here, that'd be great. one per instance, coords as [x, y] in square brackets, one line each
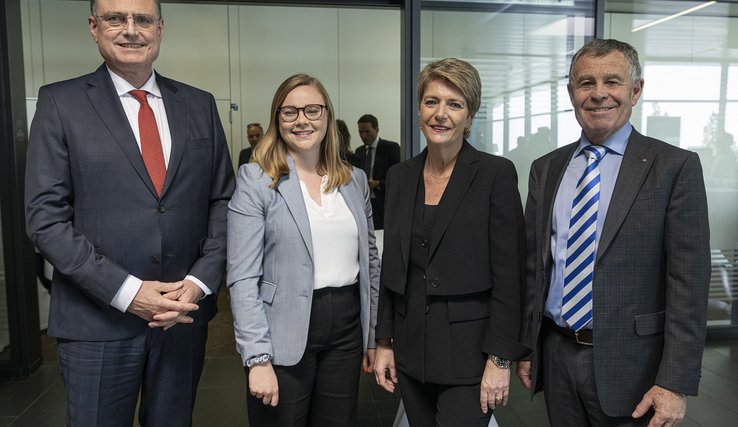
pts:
[500, 362]
[258, 360]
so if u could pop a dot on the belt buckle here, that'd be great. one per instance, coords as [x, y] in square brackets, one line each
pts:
[576, 336]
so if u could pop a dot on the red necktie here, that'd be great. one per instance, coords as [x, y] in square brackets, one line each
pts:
[151, 151]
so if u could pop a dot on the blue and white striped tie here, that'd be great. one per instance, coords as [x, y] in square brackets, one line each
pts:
[580, 246]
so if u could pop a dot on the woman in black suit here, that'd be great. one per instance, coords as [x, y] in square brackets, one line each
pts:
[453, 264]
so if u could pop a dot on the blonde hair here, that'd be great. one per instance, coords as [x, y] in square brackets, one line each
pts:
[271, 152]
[460, 74]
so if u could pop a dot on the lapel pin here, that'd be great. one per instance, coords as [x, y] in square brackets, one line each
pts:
[644, 160]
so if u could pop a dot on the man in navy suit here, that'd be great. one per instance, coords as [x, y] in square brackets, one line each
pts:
[376, 156]
[127, 185]
[616, 298]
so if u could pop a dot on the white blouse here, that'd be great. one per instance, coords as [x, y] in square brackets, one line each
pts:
[335, 239]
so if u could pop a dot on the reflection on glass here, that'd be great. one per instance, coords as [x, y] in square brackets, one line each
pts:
[523, 59]
[679, 123]
[4, 327]
[663, 77]
[690, 99]
[732, 92]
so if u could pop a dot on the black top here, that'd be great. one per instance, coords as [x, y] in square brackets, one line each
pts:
[428, 332]
[473, 268]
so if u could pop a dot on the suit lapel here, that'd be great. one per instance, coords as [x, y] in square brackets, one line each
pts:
[554, 175]
[637, 162]
[289, 188]
[461, 178]
[176, 110]
[104, 99]
[409, 179]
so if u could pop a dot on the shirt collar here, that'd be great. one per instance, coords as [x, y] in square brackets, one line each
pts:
[122, 87]
[616, 143]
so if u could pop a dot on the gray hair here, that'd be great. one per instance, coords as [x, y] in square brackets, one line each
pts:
[603, 47]
[93, 3]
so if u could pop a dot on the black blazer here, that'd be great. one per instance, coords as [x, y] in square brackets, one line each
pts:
[244, 156]
[477, 252]
[388, 154]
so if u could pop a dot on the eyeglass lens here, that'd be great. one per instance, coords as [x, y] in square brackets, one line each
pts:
[118, 20]
[312, 112]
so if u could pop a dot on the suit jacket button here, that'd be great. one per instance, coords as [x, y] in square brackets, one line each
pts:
[435, 283]
[155, 259]
[424, 243]
[162, 209]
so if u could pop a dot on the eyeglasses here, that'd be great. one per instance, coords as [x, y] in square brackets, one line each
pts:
[119, 20]
[289, 114]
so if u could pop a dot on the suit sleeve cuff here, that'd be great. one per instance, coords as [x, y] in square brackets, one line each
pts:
[504, 347]
[199, 283]
[126, 293]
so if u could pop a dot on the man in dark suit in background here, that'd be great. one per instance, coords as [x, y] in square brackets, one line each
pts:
[376, 156]
[127, 185]
[254, 132]
[618, 260]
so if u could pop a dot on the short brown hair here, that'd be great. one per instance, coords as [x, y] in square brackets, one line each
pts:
[459, 74]
[368, 118]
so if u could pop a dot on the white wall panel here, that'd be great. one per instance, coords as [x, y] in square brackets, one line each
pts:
[277, 42]
[195, 47]
[370, 70]
[240, 53]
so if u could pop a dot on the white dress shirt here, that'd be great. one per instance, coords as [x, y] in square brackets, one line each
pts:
[132, 284]
[335, 239]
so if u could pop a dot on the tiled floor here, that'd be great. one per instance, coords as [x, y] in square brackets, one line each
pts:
[38, 401]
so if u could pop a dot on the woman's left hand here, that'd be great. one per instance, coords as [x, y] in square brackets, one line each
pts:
[367, 362]
[495, 386]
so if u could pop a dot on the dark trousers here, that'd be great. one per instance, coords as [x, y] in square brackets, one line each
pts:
[103, 378]
[569, 386]
[428, 404]
[322, 389]
[378, 212]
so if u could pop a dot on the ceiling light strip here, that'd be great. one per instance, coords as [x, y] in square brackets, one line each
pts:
[676, 15]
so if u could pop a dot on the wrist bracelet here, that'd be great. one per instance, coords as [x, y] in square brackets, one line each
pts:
[258, 360]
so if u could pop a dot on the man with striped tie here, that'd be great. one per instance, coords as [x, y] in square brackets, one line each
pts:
[618, 260]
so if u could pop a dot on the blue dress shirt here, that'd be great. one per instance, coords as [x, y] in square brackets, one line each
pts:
[609, 168]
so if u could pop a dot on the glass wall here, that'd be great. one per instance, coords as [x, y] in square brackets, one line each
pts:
[522, 52]
[240, 54]
[690, 99]
[4, 326]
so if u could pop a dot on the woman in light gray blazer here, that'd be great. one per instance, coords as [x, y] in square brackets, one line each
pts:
[303, 270]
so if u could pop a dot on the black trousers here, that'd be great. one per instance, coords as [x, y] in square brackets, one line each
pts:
[428, 404]
[570, 391]
[322, 389]
[103, 378]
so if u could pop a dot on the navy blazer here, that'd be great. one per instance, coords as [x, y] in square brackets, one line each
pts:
[93, 212]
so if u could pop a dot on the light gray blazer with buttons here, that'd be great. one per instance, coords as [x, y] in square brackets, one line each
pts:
[270, 263]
